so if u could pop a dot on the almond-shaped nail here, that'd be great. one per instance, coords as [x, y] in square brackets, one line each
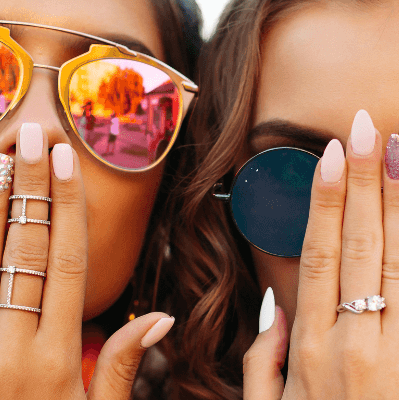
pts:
[6, 171]
[267, 311]
[363, 134]
[333, 162]
[31, 142]
[157, 332]
[63, 161]
[392, 157]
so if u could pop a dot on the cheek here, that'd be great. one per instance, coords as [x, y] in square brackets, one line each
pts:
[118, 210]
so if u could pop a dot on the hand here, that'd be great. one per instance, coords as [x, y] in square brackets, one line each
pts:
[40, 354]
[351, 251]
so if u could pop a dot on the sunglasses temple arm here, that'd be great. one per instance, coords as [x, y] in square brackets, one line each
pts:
[216, 188]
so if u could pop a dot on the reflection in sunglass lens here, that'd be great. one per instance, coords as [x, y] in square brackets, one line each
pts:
[270, 200]
[9, 77]
[126, 111]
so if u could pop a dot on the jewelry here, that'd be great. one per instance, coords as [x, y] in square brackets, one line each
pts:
[6, 171]
[12, 271]
[371, 303]
[22, 219]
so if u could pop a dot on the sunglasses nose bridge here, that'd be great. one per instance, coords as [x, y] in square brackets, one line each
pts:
[41, 105]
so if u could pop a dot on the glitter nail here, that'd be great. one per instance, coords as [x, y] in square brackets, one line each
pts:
[392, 157]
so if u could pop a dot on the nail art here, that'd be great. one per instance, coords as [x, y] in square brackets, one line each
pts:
[267, 311]
[333, 162]
[6, 171]
[363, 134]
[392, 157]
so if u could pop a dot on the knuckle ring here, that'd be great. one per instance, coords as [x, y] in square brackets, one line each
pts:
[12, 271]
[371, 303]
[23, 219]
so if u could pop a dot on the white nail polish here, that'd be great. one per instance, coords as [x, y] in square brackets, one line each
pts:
[267, 311]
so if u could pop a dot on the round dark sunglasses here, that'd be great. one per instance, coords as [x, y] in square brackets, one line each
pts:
[270, 199]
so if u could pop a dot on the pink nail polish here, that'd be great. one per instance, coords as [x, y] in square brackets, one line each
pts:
[332, 162]
[392, 157]
[31, 142]
[363, 134]
[157, 332]
[63, 161]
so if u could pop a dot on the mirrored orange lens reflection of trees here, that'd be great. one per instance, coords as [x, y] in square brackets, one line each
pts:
[9, 72]
[122, 92]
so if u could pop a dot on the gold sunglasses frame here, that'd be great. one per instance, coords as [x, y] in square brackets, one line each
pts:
[187, 89]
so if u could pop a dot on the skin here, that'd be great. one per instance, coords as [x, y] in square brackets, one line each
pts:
[311, 80]
[118, 204]
[320, 67]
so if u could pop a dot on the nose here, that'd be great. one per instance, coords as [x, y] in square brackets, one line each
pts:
[41, 105]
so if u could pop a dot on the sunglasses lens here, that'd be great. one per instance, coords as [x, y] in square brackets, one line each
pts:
[9, 77]
[125, 111]
[271, 197]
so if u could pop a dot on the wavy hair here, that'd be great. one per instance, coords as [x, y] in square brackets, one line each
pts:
[204, 274]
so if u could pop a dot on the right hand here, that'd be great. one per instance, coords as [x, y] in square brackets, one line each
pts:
[351, 251]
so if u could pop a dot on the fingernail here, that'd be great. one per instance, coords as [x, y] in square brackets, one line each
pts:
[31, 142]
[267, 311]
[363, 134]
[6, 171]
[392, 157]
[62, 161]
[333, 162]
[157, 332]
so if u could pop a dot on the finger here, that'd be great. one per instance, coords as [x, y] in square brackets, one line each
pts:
[263, 362]
[321, 253]
[390, 265]
[6, 178]
[64, 291]
[120, 357]
[362, 233]
[27, 244]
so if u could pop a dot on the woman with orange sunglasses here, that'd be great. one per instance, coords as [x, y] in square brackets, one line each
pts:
[79, 215]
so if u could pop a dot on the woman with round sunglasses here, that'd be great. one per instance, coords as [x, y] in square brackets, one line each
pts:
[283, 84]
[78, 215]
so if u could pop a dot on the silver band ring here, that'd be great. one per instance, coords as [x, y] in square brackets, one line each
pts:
[12, 271]
[23, 219]
[371, 303]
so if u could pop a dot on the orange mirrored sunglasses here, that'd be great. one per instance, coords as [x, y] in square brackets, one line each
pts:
[124, 106]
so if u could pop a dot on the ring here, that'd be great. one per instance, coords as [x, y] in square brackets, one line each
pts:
[23, 219]
[371, 303]
[12, 271]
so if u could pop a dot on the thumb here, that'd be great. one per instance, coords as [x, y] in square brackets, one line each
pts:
[120, 356]
[265, 358]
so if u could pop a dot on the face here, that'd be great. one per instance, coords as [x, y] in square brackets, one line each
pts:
[118, 204]
[319, 67]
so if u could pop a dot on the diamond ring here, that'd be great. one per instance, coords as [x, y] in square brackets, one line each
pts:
[371, 303]
[23, 219]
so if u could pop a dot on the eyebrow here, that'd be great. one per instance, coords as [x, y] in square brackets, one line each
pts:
[80, 43]
[289, 130]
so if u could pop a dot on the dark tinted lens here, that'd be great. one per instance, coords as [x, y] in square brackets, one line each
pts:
[125, 110]
[271, 197]
[9, 77]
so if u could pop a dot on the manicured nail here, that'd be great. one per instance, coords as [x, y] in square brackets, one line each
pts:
[267, 311]
[392, 157]
[63, 161]
[31, 142]
[157, 332]
[333, 162]
[6, 171]
[363, 134]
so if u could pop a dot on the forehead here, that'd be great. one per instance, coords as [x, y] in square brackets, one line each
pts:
[322, 64]
[134, 18]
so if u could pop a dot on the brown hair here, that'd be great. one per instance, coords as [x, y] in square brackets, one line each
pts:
[208, 280]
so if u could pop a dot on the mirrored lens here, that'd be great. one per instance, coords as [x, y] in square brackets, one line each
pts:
[9, 77]
[126, 111]
[270, 200]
